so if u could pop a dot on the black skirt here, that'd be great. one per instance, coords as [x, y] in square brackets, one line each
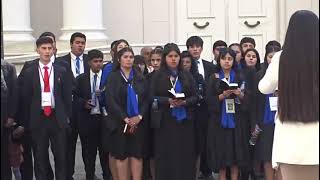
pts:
[263, 147]
[227, 147]
[174, 149]
[122, 146]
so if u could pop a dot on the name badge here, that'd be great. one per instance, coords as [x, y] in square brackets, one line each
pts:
[230, 107]
[273, 101]
[45, 99]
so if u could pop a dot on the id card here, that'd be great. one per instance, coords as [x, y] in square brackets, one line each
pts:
[230, 107]
[45, 99]
[273, 101]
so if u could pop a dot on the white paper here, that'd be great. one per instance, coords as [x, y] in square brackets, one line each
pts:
[176, 95]
[273, 101]
[45, 99]
[230, 107]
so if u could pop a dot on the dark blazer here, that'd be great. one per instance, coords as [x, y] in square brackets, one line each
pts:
[22, 107]
[31, 94]
[83, 94]
[116, 97]
[8, 95]
[209, 69]
[66, 62]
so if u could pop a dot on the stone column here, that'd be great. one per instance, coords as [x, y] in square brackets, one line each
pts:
[16, 21]
[83, 16]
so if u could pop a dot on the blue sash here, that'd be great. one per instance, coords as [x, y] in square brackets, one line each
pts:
[268, 114]
[105, 74]
[227, 119]
[179, 113]
[132, 101]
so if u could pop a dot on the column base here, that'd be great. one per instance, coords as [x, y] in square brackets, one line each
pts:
[91, 34]
[17, 35]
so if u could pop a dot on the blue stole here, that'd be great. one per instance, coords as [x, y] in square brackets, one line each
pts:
[227, 119]
[268, 114]
[105, 74]
[179, 113]
[132, 101]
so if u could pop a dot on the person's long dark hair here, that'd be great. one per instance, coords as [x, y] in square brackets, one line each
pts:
[194, 67]
[299, 70]
[165, 69]
[223, 53]
[269, 50]
[118, 58]
[258, 65]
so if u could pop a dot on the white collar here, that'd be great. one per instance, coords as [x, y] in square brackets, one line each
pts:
[74, 56]
[92, 73]
[41, 65]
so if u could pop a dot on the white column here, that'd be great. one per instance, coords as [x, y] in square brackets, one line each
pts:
[83, 16]
[16, 20]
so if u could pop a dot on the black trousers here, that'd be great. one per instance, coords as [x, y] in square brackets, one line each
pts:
[49, 131]
[91, 143]
[26, 167]
[72, 137]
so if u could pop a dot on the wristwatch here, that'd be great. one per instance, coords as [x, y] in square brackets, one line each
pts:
[140, 117]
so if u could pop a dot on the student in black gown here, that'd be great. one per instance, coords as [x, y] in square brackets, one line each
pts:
[265, 120]
[107, 69]
[250, 65]
[127, 105]
[227, 132]
[189, 65]
[172, 118]
[149, 164]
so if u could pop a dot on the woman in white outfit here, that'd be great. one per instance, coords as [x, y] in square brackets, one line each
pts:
[295, 70]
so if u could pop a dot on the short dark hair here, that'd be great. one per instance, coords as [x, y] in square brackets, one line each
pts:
[299, 70]
[44, 40]
[273, 43]
[223, 53]
[48, 34]
[113, 43]
[219, 43]
[139, 59]
[159, 47]
[77, 34]
[248, 40]
[194, 67]
[94, 53]
[194, 40]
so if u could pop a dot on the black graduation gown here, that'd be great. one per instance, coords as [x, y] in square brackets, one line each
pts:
[174, 141]
[121, 145]
[263, 147]
[227, 147]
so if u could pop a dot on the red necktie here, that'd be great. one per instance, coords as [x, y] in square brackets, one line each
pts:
[47, 109]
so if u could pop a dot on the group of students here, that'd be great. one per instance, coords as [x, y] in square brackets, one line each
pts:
[164, 114]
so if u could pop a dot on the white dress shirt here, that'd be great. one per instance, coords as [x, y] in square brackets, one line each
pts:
[294, 142]
[52, 58]
[200, 67]
[96, 109]
[73, 64]
[51, 79]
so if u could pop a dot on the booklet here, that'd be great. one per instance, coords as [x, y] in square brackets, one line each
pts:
[225, 85]
[176, 95]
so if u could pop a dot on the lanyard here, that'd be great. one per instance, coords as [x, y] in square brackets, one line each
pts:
[43, 77]
[175, 82]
